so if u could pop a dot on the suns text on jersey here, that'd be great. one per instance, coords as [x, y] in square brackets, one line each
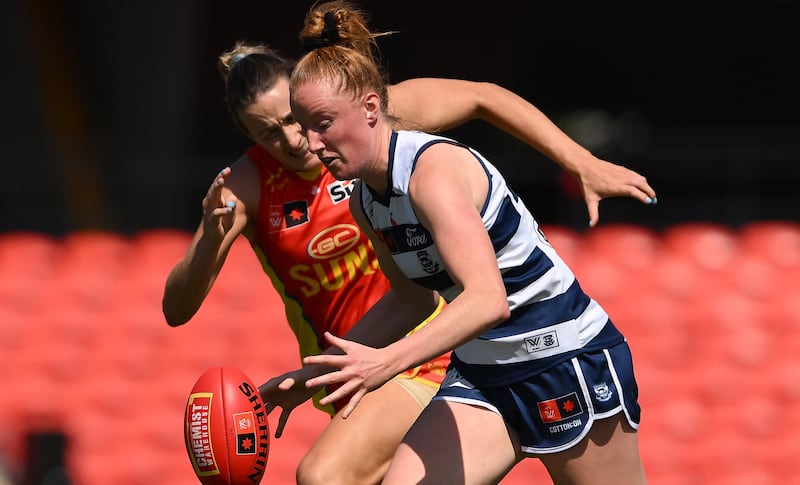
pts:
[331, 274]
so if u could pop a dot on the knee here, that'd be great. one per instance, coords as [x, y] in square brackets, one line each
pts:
[306, 473]
[316, 469]
[319, 468]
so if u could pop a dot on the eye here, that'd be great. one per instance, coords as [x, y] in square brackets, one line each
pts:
[268, 135]
[324, 125]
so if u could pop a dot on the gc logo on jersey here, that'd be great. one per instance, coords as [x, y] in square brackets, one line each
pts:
[340, 190]
[333, 241]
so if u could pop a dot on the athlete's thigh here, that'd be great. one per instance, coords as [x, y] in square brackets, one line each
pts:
[456, 444]
[609, 454]
[358, 449]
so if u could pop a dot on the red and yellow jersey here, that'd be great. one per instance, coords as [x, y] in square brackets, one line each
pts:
[320, 262]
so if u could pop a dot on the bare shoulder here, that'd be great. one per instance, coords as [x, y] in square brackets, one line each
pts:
[445, 173]
[445, 158]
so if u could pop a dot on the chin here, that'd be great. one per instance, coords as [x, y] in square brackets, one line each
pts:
[307, 165]
[339, 175]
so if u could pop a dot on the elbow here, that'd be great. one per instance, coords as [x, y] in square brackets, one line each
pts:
[485, 96]
[502, 311]
[498, 310]
[173, 317]
[173, 321]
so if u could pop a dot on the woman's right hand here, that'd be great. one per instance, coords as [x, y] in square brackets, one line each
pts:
[286, 391]
[218, 212]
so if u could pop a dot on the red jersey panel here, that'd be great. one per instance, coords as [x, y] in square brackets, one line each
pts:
[320, 262]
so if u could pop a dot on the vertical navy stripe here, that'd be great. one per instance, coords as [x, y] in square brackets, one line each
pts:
[505, 226]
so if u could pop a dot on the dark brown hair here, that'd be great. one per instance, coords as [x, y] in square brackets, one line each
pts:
[249, 70]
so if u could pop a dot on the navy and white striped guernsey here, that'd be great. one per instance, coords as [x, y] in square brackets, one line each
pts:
[552, 319]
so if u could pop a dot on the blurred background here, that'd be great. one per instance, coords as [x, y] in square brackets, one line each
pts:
[117, 117]
[116, 126]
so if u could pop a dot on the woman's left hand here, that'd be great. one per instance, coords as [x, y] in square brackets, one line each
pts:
[601, 179]
[361, 370]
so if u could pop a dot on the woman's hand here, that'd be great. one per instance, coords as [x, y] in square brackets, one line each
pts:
[287, 392]
[218, 212]
[361, 369]
[601, 179]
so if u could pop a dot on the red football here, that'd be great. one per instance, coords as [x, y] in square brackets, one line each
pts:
[226, 428]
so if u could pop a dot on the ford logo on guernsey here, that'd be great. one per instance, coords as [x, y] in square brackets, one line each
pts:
[416, 237]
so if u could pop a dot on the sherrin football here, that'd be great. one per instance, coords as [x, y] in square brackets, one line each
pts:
[226, 428]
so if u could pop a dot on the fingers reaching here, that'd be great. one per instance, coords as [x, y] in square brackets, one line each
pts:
[336, 341]
[215, 207]
[593, 206]
[604, 179]
[353, 403]
[282, 420]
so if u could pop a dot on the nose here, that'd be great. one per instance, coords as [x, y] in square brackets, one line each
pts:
[315, 143]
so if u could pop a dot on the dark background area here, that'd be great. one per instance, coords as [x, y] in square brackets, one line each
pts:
[115, 116]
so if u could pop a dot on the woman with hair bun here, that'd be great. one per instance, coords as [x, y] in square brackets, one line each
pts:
[537, 368]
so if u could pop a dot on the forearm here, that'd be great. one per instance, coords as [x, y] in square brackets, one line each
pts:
[190, 280]
[521, 119]
[391, 318]
[437, 105]
[464, 319]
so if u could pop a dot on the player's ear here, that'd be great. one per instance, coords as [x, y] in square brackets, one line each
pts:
[372, 107]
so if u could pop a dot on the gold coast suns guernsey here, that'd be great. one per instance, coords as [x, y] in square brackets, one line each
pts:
[320, 262]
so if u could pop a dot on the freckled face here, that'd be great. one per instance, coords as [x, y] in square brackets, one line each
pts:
[270, 123]
[336, 128]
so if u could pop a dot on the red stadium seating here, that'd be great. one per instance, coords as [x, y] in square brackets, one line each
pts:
[712, 315]
[778, 242]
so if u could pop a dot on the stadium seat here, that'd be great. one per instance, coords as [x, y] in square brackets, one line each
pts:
[677, 277]
[631, 247]
[26, 261]
[92, 265]
[25, 250]
[613, 261]
[710, 246]
[606, 281]
[160, 247]
[777, 242]
[567, 242]
[95, 249]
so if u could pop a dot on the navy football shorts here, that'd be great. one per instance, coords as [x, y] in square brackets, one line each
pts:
[552, 411]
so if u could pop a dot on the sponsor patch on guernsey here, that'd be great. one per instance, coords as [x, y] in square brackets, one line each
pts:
[560, 408]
